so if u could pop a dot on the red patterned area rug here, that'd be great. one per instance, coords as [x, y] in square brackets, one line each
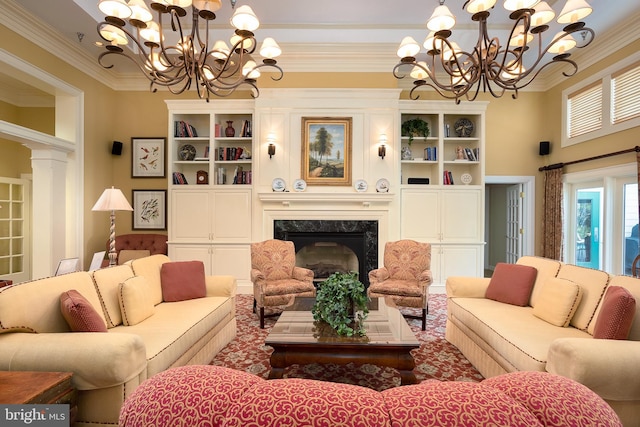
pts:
[435, 359]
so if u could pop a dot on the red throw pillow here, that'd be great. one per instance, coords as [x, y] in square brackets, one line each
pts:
[80, 314]
[512, 283]
[616, 314]
[182, 280]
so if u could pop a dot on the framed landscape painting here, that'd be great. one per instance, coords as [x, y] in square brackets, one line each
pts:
[326, 150]
[148, 157]
[149, 209]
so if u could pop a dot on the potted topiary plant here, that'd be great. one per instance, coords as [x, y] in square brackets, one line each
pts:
[341, 302]
[415, 127]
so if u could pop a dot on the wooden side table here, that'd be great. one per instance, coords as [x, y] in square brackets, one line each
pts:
[27, 387]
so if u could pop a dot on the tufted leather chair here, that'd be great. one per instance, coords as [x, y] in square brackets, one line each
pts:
[405, 277]
[276, 279]
[154, 243]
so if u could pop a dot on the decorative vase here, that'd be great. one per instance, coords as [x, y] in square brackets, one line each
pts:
[230, 131]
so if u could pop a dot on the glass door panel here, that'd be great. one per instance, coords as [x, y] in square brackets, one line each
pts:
[588, 227]
[630, 230]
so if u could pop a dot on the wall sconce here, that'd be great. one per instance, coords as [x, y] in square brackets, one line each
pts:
[271, 148]
[382, 148]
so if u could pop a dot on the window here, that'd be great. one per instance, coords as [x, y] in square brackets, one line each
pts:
[625, 93]
[585, 110]
[13, 227]
[606, 103]
[601, 218]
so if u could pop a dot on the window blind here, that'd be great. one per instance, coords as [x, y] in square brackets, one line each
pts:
[625, 89]
[585, 110]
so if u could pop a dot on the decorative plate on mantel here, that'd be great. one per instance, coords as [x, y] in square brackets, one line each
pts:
[382, 186]
[361, 186]
[299, 185]
[278, 184]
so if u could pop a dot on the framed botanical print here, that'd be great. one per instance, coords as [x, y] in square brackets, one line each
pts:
[148, 157]
[149, 209]
[326, 150]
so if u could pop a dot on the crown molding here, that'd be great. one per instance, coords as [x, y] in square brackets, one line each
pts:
[598, 50]
[296, 57]
[19, 20]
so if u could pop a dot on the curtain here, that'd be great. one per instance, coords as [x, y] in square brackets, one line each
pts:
[552, 215]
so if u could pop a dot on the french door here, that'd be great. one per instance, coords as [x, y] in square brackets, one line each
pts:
[14, 229]
[514, 223]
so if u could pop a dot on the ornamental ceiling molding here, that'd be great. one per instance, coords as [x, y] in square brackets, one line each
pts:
[296, 57]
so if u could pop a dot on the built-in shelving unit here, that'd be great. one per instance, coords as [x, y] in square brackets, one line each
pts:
[209, 185]
[447, 211]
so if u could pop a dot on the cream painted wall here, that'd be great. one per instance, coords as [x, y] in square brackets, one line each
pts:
[14, 157]
[514, 128]
[99, 104]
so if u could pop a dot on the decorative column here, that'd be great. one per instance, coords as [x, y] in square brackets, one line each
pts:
[49, 209]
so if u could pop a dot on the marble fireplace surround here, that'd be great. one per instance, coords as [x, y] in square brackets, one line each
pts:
[358, 235]
[366, 215]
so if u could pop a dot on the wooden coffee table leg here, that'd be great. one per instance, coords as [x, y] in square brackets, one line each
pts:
[277, 362]
[407, 377]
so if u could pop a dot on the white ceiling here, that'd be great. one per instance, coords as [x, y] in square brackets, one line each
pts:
[328, 35]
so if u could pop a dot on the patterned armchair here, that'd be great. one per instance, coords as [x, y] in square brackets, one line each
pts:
[276, 279]
[405, 277]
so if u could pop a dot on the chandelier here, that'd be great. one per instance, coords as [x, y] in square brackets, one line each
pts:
[191, 59]
[491, 66]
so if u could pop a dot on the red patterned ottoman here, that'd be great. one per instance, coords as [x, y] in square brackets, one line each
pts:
[221, 397]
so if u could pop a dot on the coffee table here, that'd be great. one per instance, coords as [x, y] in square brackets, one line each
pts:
[297, 340]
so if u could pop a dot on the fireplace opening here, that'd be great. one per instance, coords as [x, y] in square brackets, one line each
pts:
[329, 246]
[326, 258]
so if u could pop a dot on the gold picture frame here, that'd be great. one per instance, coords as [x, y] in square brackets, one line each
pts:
[326, 150]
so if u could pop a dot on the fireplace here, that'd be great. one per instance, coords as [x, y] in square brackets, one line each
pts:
[327, 246]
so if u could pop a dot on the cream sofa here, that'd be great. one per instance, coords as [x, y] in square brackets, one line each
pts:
[498, 338]
[109, 366]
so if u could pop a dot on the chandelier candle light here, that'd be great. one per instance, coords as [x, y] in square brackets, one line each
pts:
[213, 68]
[454, 73]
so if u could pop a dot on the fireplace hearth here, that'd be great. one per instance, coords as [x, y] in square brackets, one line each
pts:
[326, 246]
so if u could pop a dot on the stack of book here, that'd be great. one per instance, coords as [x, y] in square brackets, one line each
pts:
[431, 153]
[447, 178]
[230, 153]
[241, 176]
[183, 129]
[179, 178]
[471, 154]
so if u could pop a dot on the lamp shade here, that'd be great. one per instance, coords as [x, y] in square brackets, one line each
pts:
[117, 8]
[245, 19]
[475, 6]
[543, 14]
[140, 11]
[442, 19]
[408, 47]
[573, 11]
[112, 199]
[270, 48]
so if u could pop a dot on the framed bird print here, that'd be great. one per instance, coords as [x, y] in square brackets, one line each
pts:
[148, 157]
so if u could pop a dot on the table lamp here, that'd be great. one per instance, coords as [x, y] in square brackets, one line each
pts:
[112, 200]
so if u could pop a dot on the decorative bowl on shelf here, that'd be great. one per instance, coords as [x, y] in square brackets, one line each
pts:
[187, 152]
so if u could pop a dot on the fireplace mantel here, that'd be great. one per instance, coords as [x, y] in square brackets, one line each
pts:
[360, 199]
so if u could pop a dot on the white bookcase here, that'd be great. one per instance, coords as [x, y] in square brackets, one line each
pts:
[209, 184]
[448, 212]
